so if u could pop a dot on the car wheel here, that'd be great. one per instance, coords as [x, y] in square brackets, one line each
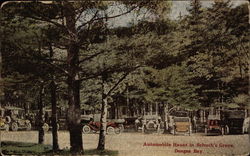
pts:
[7, 127]
[121, 127]
[14, 126]
[110, 130]
[161, 131]
[118, 130]
[28, 126]
[86, 129]
[7, 119]
[45, 127]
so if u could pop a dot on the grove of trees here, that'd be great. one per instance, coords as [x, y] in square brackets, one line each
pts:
[67, 54]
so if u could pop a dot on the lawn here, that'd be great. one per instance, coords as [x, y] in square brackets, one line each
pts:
[20, 148]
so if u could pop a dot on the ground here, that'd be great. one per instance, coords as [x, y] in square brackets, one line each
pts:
[149, 144]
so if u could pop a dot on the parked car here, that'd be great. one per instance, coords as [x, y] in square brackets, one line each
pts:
[93, 124]
[234, 121]
[95, 127]
[85, 119]
[215, 126]
[4, 122]
[119, 122]
[182, 125]
[180, 122]
[47, 126]
[48, 121]
[16, 118]
[151, 123]
[131, 123]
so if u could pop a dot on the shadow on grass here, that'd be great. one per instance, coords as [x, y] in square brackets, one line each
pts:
[21, 148]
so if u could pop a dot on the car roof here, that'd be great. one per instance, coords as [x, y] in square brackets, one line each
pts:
[13, 108]
[150, 117]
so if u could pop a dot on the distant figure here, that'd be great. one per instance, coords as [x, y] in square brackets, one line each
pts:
[195, 123]
[137, 123]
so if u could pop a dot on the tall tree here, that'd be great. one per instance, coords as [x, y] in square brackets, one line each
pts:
[77, 33]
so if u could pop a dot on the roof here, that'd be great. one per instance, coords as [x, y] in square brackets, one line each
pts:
[151, 117]
[235, 114]
[213, 117]
[13, 108]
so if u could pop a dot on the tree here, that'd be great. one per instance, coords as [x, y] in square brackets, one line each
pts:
[66, 17]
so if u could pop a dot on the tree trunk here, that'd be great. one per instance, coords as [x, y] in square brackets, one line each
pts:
[127, 101]
[74, 117]
[53, 104]
[156, 108]
[1, 69]
[54, 116]
[73, 81]
[103, 120]
[101, 144]
[41, 116]
[248, 12]
[143, 109]
[74, 111]
[165, 118]
[151, 109]
[112, 111]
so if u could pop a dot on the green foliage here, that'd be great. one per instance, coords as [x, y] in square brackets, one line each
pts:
[17, 148]
[21, 148]
[204, 54]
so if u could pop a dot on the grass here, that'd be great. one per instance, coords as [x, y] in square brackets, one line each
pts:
[21, 148]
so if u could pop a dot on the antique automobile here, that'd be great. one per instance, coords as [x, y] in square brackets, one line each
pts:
[16, 118]
[47, 126]
[182, 125]
[234, 120]
[151, 123]
[85, 119]
[4, 122]
[48, 121]
[215, 125]
[138, 124]
[119, 122]
[131, 123]
[93, 124]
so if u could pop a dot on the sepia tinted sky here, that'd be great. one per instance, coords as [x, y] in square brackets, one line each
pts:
[178, 7]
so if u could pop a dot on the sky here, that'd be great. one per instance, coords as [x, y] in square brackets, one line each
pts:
[181, 6]
[178, 7]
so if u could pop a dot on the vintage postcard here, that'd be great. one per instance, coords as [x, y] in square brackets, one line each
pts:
[125, 78]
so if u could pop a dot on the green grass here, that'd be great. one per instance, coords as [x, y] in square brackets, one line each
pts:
[21, 148]
[90, 152]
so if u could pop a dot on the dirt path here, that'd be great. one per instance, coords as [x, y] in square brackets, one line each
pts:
[150, 144]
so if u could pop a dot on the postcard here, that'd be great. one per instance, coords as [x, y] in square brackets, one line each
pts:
[124, 78]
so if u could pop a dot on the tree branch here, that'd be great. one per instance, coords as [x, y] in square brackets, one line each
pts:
[47, 61]
[91, 56]
[120, 80]
[108, 17]
[90, 21]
